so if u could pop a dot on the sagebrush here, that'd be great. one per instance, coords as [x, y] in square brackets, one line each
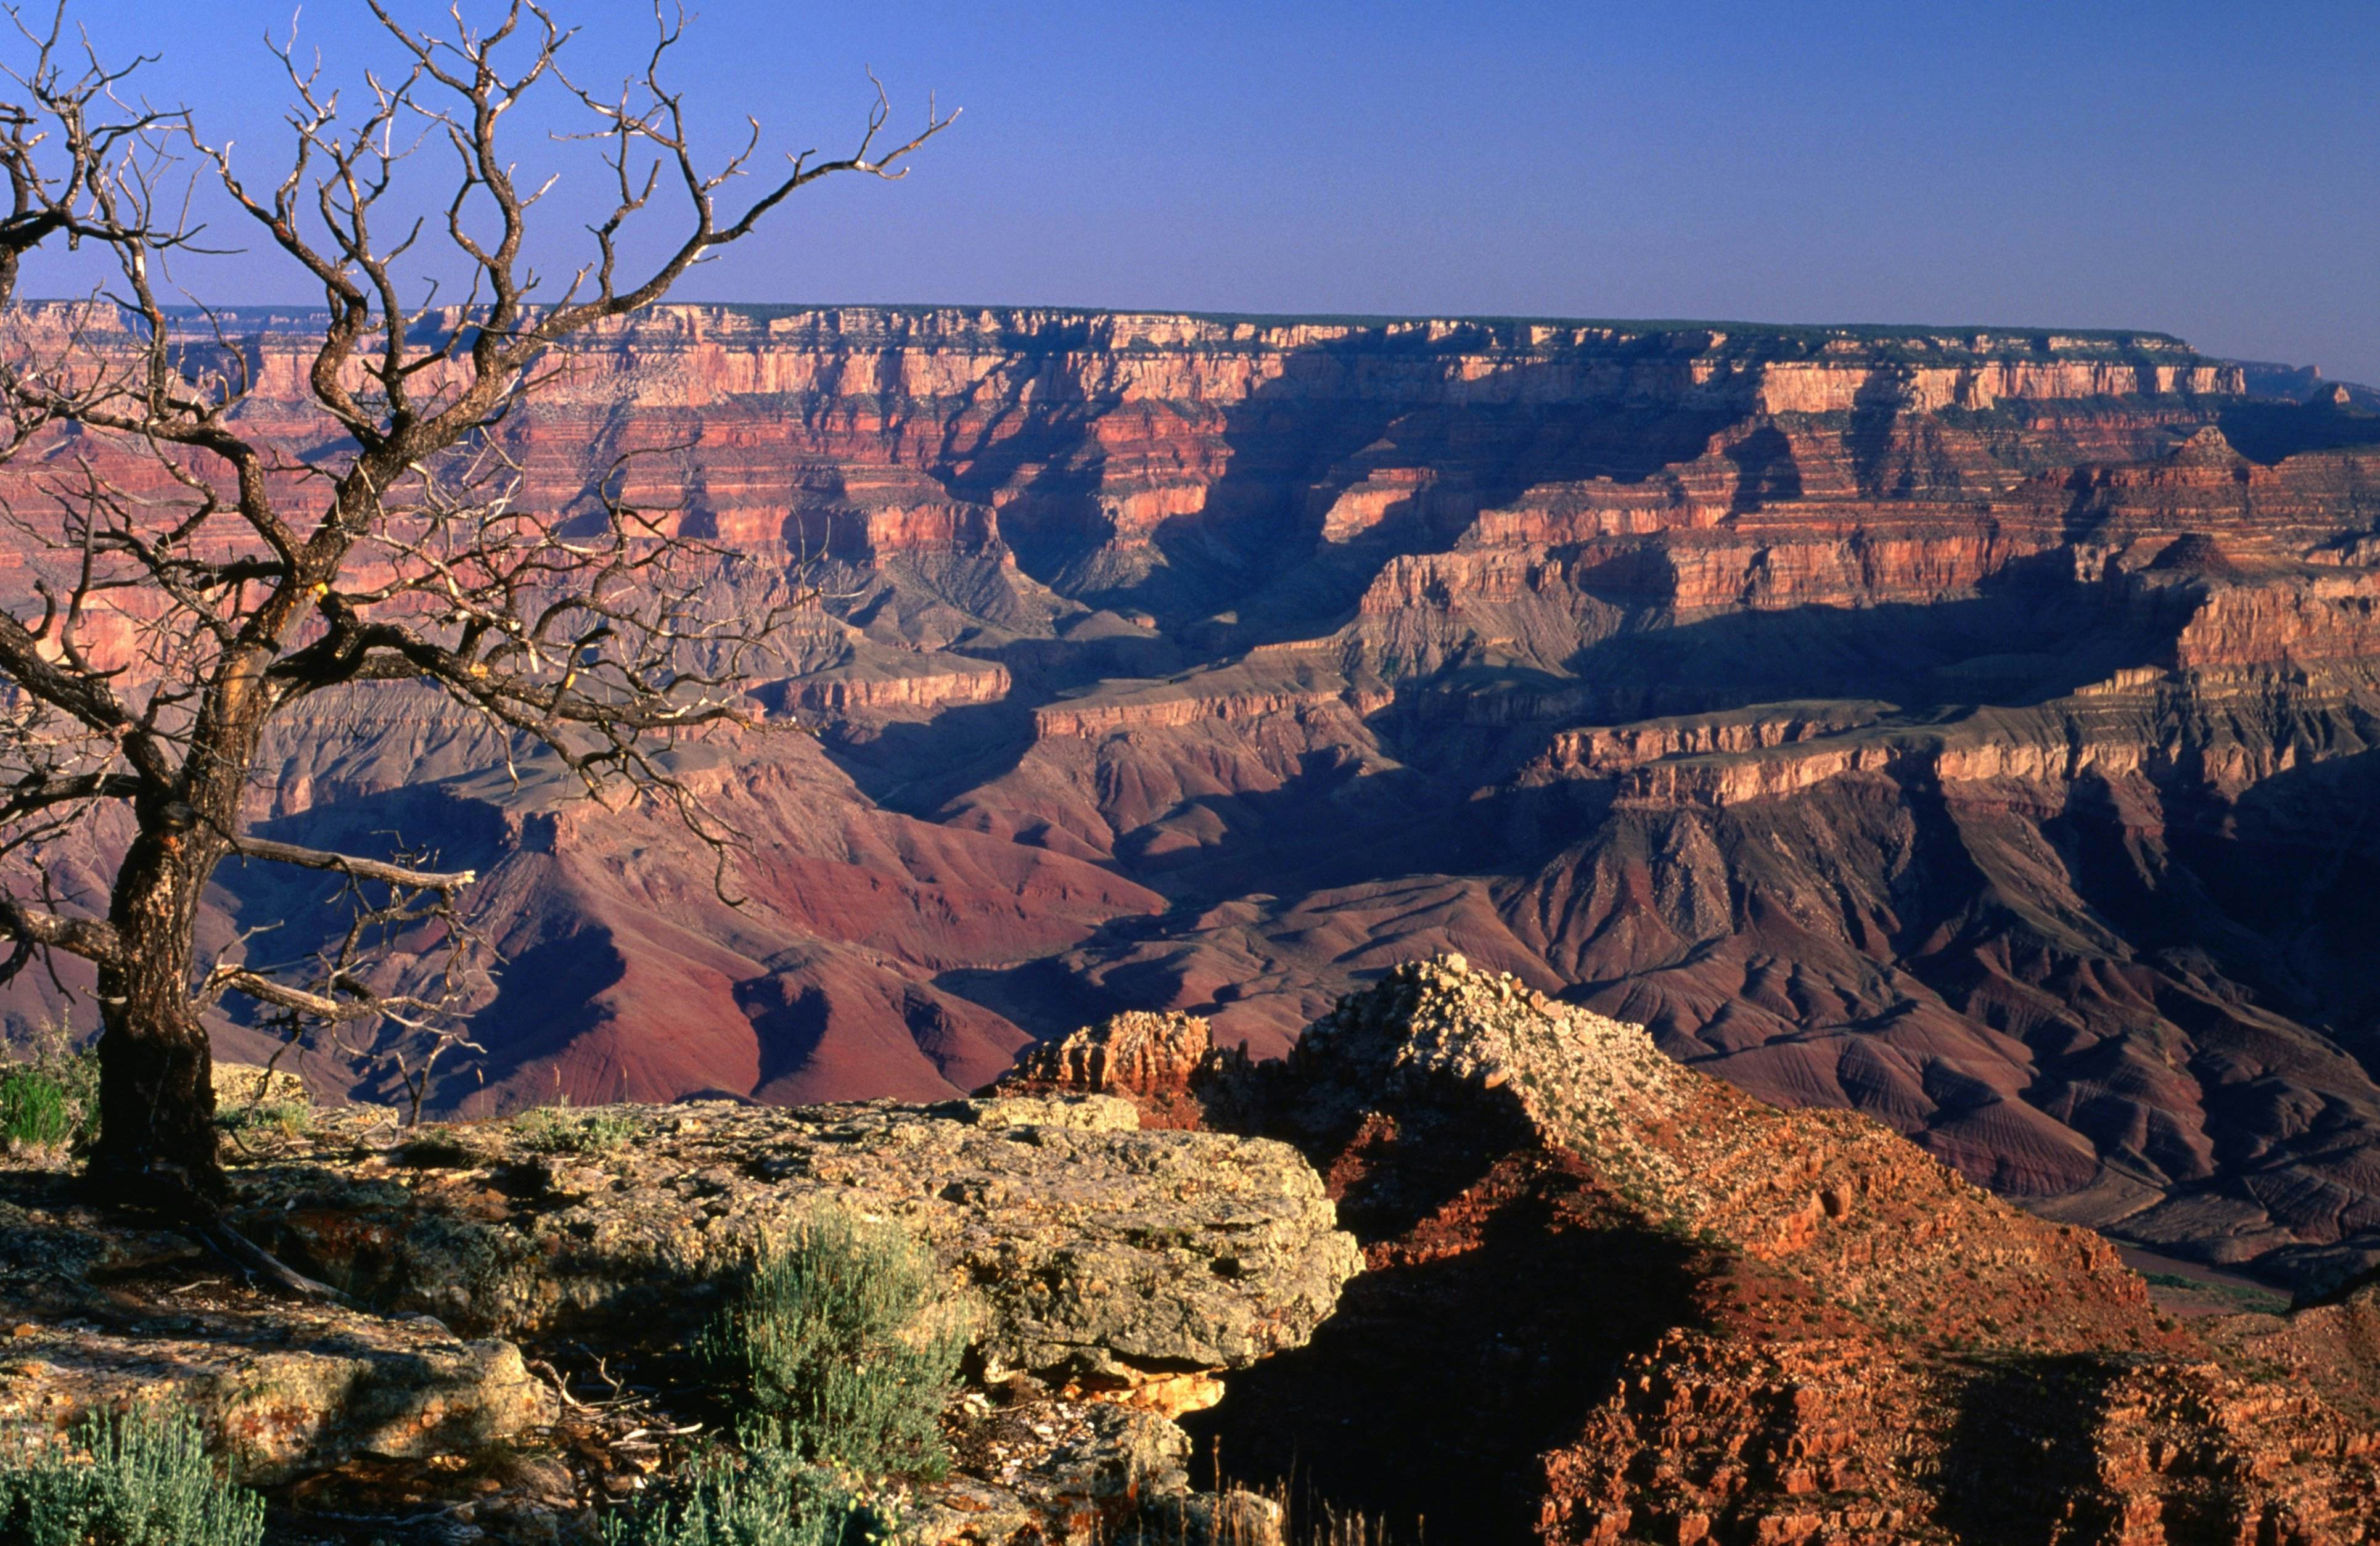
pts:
[768, 1497]
[139, 1479]
[560, 1130]
[846, 1336]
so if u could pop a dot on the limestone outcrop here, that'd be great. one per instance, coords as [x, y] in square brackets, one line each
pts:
[1101, 1255]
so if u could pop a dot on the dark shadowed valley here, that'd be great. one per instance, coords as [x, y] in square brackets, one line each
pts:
[1971, 730]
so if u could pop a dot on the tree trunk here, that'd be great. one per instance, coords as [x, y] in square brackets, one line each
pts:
[156, 1141]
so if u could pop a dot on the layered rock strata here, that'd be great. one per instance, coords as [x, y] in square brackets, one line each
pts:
[1965, 727]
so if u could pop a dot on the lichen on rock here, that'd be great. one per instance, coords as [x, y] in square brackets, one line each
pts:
[1101, 1253]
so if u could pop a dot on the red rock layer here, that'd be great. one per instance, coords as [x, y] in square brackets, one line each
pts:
[1608, 1299]
[1969, 729]
[1166, 1064]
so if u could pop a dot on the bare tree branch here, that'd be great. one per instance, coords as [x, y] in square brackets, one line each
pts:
[90, 938]
[347, 864]
[194, 569]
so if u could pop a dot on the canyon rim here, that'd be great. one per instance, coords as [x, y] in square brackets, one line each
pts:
[1969, 729]
[632, 920]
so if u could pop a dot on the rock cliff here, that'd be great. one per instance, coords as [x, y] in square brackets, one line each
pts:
[1607, 1299]
[1970, 728]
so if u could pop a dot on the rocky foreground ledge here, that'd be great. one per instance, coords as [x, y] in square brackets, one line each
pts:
[1139, 1263]
[1115, 1273]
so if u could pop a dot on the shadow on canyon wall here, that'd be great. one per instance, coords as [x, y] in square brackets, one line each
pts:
[2023, 1466]
[1425, 1400]
[2269, 433]
[1249, 566]
[2032, 633]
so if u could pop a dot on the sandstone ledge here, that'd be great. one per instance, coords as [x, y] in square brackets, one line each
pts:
[1101, 1254]
[1115, 1273]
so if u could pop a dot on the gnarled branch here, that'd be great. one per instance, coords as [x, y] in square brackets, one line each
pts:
[91, 938]
[348, 864]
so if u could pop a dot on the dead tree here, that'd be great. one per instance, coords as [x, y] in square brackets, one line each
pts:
[192, 578]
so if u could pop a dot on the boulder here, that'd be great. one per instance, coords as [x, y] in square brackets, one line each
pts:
[1101, 1255]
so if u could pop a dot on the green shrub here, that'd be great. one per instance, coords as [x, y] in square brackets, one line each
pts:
[143, 1479]
[847, 1335]
[770, 1498]
[35, 1112]
[289, 1118]
[560, 1130]
[49, 1095]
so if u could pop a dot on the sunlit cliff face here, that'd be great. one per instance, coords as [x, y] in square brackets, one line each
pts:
[1968, 728]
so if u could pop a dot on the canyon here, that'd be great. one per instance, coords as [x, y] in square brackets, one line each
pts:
[1970, 728]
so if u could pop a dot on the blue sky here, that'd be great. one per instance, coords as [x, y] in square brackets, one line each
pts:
[2211, 170]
